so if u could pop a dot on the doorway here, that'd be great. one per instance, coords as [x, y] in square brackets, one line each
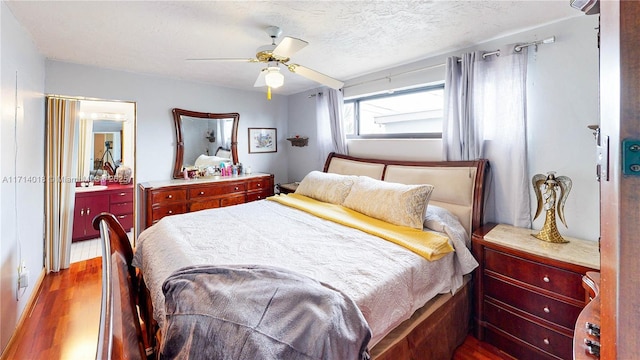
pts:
[101, 176]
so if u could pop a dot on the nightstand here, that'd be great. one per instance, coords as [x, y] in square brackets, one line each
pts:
[528, 292]
[288, 187]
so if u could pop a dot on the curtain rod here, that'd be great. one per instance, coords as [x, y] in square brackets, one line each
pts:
[517, 48]
[549, 40]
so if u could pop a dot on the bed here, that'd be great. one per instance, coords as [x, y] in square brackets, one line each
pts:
[415, 307]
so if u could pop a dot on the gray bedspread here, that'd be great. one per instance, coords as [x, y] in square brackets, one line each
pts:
[258, 312]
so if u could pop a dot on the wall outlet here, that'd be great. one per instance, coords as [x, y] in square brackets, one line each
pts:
[23, 276]
[23, 279]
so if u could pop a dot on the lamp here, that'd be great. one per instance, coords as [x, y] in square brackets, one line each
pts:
[274, 78]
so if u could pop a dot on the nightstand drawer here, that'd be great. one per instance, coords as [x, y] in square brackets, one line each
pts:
[540, 337]
[550, 278]
[544, 307]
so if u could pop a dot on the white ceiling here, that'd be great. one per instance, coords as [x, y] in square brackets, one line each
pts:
[346, 38]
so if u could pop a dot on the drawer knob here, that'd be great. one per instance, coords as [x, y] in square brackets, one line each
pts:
[546, 341]
[170, 212]
[236, 188]
[123, 194]
[169, 196]
[546, 309]
[122, 216]
[546, 279]
[201, 193]
[259, 185]
[259, 197]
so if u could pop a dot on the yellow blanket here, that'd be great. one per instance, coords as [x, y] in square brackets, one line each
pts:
[429, 245]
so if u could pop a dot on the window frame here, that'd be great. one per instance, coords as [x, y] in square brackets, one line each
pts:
[356, 110]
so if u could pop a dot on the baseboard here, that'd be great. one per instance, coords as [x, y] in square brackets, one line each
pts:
[28, 309]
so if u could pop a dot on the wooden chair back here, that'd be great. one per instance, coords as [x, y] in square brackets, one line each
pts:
[120, 335]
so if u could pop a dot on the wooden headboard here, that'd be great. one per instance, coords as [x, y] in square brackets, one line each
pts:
[458, 185]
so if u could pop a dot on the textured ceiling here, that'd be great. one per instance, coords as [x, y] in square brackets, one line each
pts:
[346, 38]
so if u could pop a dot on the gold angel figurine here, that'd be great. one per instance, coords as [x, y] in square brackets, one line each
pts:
[548, 189]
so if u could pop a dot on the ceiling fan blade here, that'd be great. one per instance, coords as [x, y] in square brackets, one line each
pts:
[289, 46]
[260, 81]
[225, 59]
[316, 76]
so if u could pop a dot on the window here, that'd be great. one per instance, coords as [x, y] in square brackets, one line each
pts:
[415, 113]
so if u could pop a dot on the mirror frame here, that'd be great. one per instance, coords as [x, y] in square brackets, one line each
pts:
[179, 155]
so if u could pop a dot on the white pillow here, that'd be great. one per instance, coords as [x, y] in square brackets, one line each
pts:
[437, 217]
[206, 160]
[223, 153]
[327, 187]
[394, 203]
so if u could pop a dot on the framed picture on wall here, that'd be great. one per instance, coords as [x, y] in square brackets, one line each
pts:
[262, 140]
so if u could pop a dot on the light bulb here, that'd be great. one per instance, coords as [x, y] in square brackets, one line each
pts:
[274, 78]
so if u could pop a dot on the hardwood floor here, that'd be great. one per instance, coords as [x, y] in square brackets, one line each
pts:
[473, 349]
[63, 324]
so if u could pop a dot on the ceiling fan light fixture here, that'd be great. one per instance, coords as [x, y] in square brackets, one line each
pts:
[274, 78]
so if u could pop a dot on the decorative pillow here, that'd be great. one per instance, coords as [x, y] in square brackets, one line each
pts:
[394, 203]
[327, 187]
[437, 217]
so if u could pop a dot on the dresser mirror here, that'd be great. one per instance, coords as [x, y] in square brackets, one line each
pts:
[198, 134]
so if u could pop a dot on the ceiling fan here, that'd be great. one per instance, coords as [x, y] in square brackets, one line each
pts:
[275, 55]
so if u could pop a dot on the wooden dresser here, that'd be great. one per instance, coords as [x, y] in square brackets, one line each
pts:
[163, 198]
[529, 292]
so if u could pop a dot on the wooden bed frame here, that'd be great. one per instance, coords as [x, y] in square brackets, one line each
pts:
[438, 328]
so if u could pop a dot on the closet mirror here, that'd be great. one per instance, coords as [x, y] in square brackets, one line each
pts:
[204, 137]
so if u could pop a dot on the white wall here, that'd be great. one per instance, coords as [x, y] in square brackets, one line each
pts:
[302, 121]
[156, 96]
[562, 99]
[21, 168]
